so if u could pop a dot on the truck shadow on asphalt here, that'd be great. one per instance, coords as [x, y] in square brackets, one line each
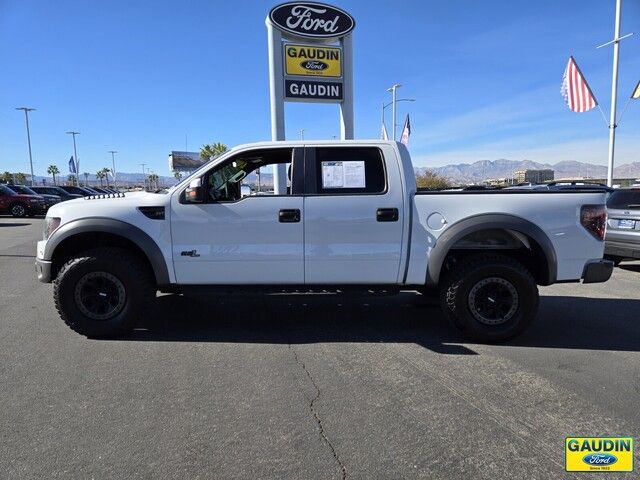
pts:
[563, 322]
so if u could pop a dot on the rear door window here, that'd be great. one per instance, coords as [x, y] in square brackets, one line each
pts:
[349, 170]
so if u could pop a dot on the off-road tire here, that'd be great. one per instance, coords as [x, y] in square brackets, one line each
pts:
[18, 210]
[133, 276]
[460, 284]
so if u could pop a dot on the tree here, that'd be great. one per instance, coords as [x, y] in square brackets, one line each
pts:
[100, 175]
[53, 171]
[20, 177]
[212, 150]
[106, 172]
[431, 181]
[177, 175]
[153, 181]
[86, 179]
[71, 179]
[6, 177]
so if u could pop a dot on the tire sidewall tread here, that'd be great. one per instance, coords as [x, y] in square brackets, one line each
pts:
[127, 267]
[458, 282]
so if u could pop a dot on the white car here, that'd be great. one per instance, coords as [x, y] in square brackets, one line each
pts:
[351, 216]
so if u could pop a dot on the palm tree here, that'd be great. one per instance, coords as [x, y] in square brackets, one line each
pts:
[100, 175]
[153, 180]
[20, 177]
[86, 179]
[53, 171]
[178, 175]
[71, 179]
[106, 172]
[207, 151]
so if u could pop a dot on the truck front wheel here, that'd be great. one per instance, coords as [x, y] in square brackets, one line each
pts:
[103, 292]
[489, 298]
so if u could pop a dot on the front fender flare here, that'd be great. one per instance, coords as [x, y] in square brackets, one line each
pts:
[461, 229]
[115, 227]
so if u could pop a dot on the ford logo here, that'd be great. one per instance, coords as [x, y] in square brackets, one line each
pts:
[312, 20]
[599, 459]
[314, 65]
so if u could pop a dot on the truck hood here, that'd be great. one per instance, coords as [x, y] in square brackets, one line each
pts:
[118, 206]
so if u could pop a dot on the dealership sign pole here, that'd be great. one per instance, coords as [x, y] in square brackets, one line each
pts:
[310, 60]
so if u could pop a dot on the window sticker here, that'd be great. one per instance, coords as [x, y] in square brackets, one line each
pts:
[343, 174]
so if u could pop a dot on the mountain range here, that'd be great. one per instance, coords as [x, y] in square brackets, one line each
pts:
[462, 173]
[502, 168]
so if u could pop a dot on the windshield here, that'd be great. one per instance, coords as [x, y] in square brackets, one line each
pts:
[22, 190]
[624, 199]
[7, 191]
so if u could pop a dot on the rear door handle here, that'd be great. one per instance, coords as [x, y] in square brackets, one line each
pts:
[289, 215]
[387, 215]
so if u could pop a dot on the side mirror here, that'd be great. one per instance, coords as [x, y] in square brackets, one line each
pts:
[193, 193]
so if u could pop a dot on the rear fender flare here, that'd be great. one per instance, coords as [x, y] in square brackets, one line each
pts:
[461, 229]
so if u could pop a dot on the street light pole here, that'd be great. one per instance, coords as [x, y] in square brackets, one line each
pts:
[384, 106]
[75, 156]
[393, 89]
[113, 165]
[26, 117]
[144, 175]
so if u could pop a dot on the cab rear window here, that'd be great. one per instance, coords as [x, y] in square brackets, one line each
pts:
[624, 199]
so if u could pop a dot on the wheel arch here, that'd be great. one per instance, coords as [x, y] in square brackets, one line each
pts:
[85, 233]
[530, 235]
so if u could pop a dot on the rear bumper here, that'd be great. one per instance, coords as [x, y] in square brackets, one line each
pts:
[622, 249]
[43, 270]
[597, 271]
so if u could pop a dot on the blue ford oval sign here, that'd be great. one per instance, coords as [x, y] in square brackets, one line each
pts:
[599, 459]
[311, 20]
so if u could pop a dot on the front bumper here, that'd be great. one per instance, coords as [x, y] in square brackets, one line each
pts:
[43, 270]
[622, 249]
[597, 271]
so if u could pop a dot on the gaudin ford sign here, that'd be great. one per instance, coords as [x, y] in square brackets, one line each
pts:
[311, 20]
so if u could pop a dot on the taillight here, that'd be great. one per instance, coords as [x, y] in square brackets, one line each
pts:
[594, 219]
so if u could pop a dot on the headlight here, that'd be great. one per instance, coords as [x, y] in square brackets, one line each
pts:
[50, 224]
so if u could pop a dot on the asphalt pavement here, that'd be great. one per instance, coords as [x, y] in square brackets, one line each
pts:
[309, 386]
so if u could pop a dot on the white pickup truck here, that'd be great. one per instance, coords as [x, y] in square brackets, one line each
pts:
[351, 218]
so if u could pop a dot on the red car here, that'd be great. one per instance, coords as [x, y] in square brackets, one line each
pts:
[18, 204]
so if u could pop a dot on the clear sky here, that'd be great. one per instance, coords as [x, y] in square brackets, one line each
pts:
[139, 76]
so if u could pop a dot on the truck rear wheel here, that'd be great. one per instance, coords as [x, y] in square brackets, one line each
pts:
[489, 298]
[103, 292]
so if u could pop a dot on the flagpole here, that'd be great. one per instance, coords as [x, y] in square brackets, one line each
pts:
[75, 156]
[614, 93]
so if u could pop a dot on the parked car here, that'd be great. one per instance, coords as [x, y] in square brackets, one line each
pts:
[51, 190]
[49, 199]
[77, 190]
[623, 233]
[353, 219]
[19, 204]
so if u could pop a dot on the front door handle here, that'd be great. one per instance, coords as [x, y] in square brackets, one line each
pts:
[287, 215]
[387, 215]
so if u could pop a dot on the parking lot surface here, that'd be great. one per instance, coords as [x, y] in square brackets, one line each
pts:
[315, 386]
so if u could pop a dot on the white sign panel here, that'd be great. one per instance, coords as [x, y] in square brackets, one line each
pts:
[343, 174]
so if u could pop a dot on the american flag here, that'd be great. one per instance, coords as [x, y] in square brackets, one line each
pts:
[406, 131]
[575, 90]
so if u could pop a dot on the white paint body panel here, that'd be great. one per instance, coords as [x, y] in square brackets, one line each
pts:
[238, 243]
[345, 244]
[243, 242]
[123, 209]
